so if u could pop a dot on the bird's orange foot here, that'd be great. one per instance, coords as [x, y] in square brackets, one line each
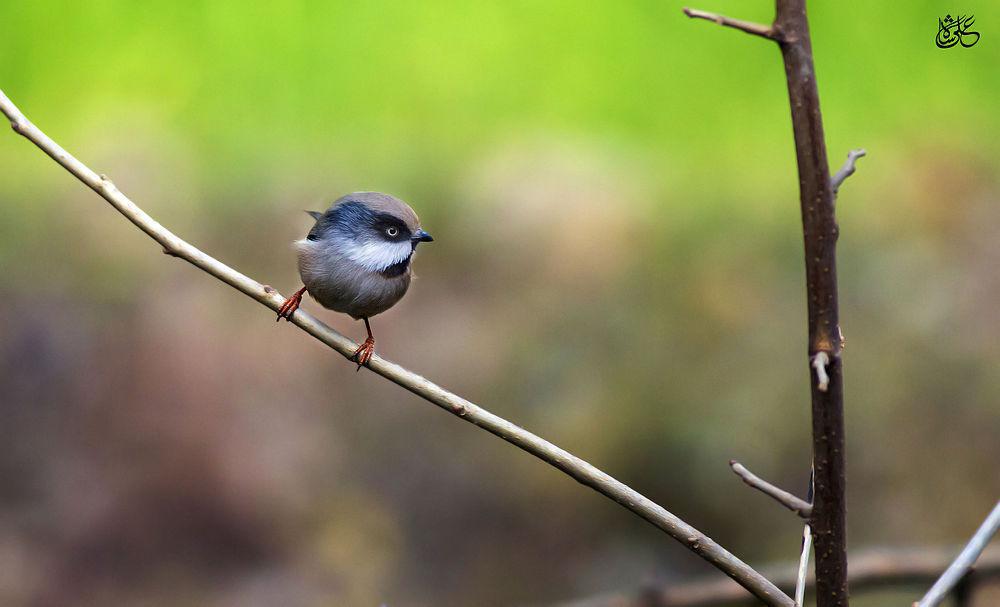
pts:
[364, 352]
[290, 306]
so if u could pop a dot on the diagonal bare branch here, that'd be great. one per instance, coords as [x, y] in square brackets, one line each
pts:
[962, 564]
[846, 170]
[573, 466]
[795, 504]
[756, 29]
[871, 571]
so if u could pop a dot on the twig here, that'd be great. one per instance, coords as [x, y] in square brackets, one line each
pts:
[573, 466]
[807, 542]
[800, 579]
[819, 362]
[871, 570]
[964, 562]
[757, 29]
[786, 499]
[846, 170]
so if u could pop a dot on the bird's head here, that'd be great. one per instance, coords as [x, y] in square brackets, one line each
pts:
[377, 231]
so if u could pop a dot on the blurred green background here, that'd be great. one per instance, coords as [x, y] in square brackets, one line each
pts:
[617, 267]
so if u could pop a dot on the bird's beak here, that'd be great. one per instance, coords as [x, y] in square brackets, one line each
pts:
[422, 236]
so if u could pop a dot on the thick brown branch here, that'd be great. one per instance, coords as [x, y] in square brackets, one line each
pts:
[757, 29]
[870, 571]
[846, 170]
[819, 229]
[820, 232]
[573, 466]
[795, 504]
[827, 518]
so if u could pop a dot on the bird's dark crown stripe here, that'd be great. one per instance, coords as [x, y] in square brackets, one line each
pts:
[352, 219]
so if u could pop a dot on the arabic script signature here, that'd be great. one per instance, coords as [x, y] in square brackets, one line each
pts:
[955, 30]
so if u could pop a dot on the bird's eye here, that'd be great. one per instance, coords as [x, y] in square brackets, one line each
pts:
[392, 232]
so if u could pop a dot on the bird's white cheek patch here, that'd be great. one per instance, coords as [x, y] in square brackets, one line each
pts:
[377, 256]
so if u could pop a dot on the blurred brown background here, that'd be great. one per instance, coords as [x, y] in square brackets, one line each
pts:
[617, 267]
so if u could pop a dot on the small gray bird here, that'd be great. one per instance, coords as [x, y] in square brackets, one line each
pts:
[356, 259]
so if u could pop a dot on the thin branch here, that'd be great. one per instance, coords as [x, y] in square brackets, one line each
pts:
[807, 542]
[871, 570]
[846, 170]
[964, 562]
[573, 466]
[786, 499]
[800, 578]
[757, 29]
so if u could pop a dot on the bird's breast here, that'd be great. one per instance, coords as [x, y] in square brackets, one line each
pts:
[343, 285]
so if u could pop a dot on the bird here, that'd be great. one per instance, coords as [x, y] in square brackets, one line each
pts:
[357, 259]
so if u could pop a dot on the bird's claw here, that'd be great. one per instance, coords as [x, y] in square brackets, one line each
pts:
[364, 353]
[290, 306]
